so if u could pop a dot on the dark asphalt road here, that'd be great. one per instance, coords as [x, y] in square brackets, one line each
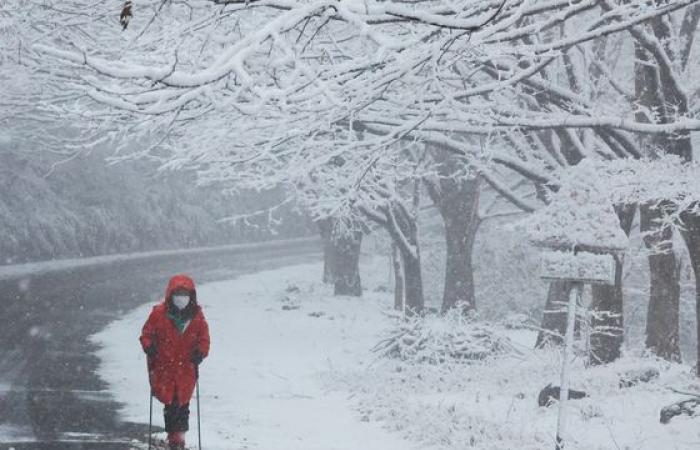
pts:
[50, 394]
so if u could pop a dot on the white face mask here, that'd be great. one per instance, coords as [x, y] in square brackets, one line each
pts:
[181, 301]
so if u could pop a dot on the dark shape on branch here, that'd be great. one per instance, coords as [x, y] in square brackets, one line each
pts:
[126, 15]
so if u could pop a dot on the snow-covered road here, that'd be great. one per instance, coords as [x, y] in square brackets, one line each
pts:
[50, 394]
[263, 386]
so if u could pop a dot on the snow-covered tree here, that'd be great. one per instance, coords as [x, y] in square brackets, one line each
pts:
[260, 92]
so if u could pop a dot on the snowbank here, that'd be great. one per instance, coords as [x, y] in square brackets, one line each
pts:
[493, 405]
[42, 267]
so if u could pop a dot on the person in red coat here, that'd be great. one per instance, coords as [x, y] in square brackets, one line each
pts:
[176, 340]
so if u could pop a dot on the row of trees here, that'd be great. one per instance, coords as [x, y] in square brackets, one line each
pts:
[362, 108]
[52, 207]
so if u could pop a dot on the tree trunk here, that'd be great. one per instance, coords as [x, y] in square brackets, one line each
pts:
[691, 235]
[341, 256]
[554, 316]
[663, 313]
[655, 92]
[456, 194]
[608, 319]
[413, 283]
[407, 223]
[402, 226]
[607, 332]
[458, 200]
[399, 301]
[662, 328]
[459, 273]
[325, 229]
[346, 259]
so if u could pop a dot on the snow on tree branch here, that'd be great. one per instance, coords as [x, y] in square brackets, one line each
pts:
[262, 92]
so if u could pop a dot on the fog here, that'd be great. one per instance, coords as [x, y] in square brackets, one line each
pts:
[58, 206]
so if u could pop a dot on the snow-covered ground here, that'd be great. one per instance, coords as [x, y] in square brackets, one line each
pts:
[291, 368]
[494, 405]
[262, 387]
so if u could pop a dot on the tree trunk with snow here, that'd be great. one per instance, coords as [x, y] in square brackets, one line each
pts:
[399, 301]
[404, 230]
[657, 89]
[341, 256]
[456, 195]
[691, 235]
[607, 334]
[459, 273]
[662, 335]
[402, 225]
[346, 249]
[413, 282]
[325, 228]
[607, 305]
[662, 328]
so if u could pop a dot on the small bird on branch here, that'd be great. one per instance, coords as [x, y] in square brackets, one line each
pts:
[125, 16]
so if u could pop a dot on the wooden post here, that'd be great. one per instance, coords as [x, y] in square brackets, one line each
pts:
[583, 264]
[566, 353]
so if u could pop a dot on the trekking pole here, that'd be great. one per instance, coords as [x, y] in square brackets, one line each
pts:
[150, 419]
[149, 362]
[199, 420]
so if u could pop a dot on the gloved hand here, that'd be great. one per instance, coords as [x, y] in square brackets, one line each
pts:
[197, 358]
[151, 351]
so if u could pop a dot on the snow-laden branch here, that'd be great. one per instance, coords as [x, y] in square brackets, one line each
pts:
[507, 193]
[328, 95]
[547, 122]
[377, 12]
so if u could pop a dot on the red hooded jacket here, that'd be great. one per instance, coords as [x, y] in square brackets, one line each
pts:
[171, 372]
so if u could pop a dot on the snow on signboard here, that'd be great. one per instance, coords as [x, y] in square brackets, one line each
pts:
[584, 267]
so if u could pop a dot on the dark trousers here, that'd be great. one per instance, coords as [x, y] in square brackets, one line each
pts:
[176, 417]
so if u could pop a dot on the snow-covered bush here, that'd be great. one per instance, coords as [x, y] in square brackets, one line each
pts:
[442, 339]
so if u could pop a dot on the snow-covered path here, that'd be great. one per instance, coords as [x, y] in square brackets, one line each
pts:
[262, 387]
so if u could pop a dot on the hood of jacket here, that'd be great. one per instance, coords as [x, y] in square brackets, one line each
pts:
[181, 282]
